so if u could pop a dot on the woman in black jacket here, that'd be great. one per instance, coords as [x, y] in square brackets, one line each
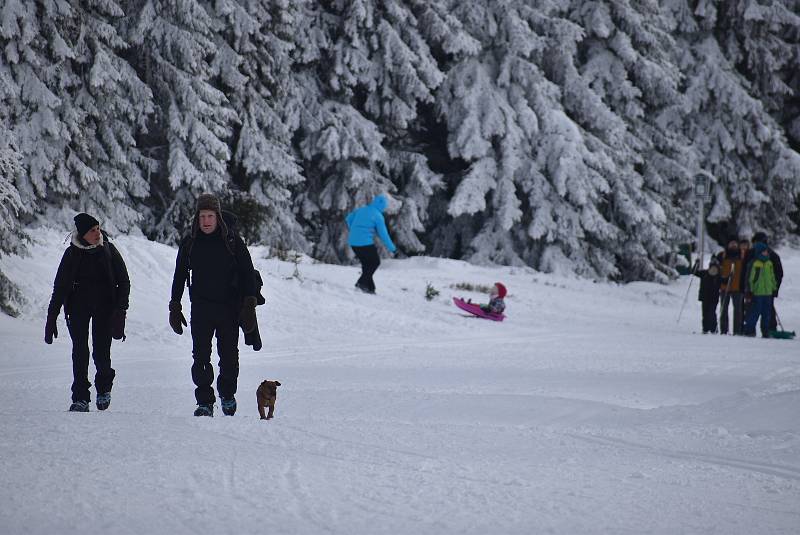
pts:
[92, 284]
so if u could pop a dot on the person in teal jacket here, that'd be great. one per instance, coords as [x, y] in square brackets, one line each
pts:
[763, 285]
[363, 223]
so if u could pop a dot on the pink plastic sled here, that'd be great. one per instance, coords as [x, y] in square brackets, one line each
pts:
[475, 309]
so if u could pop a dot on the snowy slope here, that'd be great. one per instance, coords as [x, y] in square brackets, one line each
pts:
[589, 410]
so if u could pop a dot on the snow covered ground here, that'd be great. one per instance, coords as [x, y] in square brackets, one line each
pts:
[589, 410]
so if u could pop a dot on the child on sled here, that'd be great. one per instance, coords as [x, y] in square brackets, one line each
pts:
[496, 304]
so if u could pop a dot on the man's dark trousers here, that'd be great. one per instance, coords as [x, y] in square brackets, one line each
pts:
[370, 260]
[207, 320]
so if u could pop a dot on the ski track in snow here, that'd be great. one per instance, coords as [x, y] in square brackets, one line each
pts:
[589, 410]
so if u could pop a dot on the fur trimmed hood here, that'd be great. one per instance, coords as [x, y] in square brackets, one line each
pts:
[76, 241]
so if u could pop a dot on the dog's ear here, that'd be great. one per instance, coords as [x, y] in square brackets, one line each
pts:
[277, 383]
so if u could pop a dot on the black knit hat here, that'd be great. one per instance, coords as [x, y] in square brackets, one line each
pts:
[84, 223]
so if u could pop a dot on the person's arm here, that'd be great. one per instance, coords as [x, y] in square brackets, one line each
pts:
[383, 234]
[778, 269]
[60, 284]
[349, 219]
[181, 271]
[122, 279]
[245, 264]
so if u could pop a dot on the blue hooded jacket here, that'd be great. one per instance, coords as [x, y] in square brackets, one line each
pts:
[364, 222]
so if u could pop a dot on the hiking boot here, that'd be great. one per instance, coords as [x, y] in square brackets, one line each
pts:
[204, 409]
[228, 406]
[364, 288]
[103, 401]
[79, 406]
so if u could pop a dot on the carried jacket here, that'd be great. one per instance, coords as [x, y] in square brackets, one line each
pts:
[90, 276]
[762, 278]
[366, 221]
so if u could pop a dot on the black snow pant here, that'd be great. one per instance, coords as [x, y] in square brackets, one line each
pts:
[738, 317]
[78, 323]
[207, 320]
[773, 320]
[370, 260]
[710, 315]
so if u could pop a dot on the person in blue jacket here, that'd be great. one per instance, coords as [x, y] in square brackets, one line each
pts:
[363, 223]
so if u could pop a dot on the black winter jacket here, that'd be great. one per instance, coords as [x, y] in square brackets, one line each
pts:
[220, 272]
[709, 286]
[90, 277]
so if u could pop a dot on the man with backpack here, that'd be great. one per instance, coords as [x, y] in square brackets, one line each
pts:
[214, 263]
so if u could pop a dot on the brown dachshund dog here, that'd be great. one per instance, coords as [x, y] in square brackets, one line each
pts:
[266, 394]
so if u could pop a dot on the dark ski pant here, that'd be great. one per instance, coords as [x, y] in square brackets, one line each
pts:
[773, 319]
[208, 320]
[370, 260]
[78, 323]
[710, 315]
[737, 299]
[760, 306]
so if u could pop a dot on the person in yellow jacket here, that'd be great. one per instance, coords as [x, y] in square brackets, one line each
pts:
[763, 285]
[730, 292]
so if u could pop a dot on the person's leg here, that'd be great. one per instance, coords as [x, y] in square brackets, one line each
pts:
[202, 327]
[228, 351]
[713, 314]
[101, 351]
[359, 252]
[766, 317]
[79, 332]
[752, 317]
[370, 260]
[709, 316]
[773, 319]
[737, 300]
[723, 314]
[371, 263]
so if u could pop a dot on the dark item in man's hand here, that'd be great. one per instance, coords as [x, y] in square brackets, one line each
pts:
[247, 316]
[176, 319]
[50, 328]
[118, 324]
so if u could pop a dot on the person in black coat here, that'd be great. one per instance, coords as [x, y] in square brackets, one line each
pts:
[710, 282]
[92, 285]
[778, 269]
[214, 263]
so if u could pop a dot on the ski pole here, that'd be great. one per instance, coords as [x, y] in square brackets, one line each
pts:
[685, 297]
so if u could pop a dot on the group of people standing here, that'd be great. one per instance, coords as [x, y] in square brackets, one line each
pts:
[92, 286]
[744, 278]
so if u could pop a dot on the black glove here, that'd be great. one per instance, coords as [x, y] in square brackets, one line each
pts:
[118, 324]
[247, 316]
[50, 328]
[176, 319]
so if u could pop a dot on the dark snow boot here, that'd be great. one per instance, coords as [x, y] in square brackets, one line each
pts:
[103, 401]
[204, 409]
[79, 406]
[228, 406]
